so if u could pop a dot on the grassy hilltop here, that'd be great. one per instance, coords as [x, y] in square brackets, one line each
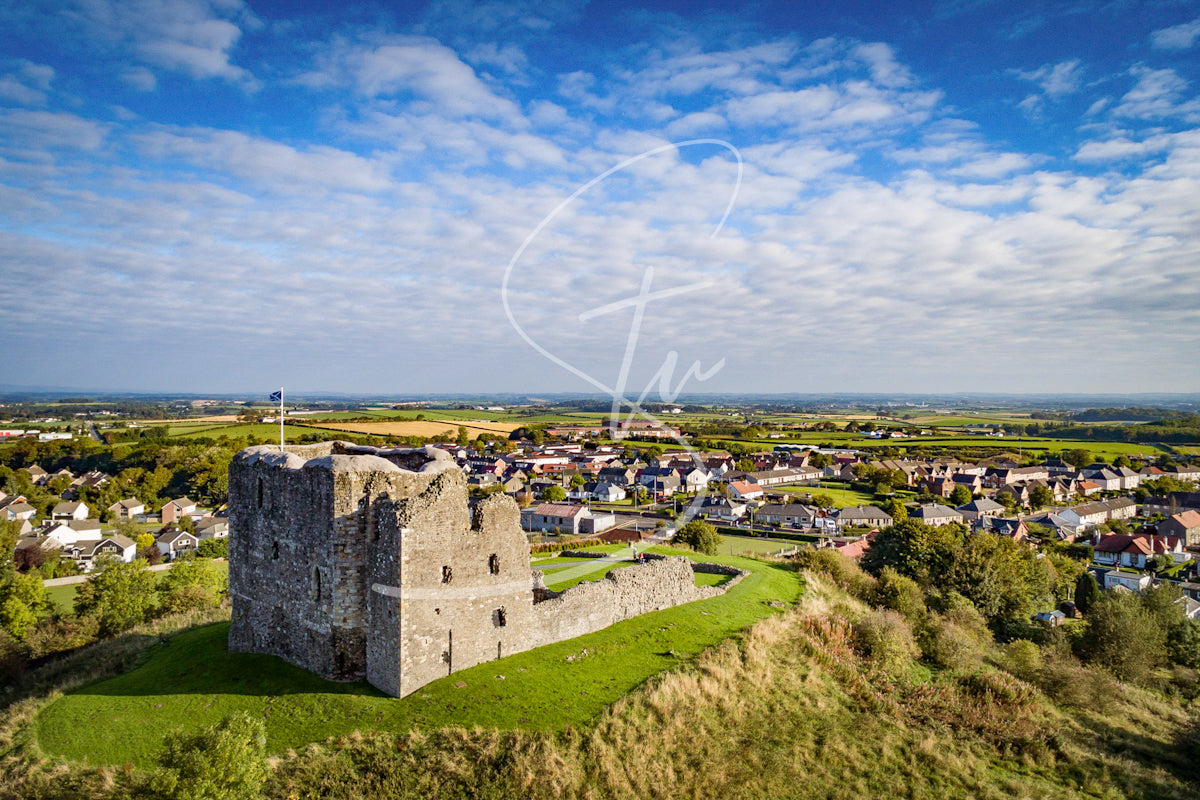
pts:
[825, 698]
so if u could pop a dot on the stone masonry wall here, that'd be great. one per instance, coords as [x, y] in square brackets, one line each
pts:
[359, 562]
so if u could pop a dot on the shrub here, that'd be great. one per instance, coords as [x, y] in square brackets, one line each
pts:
[900, 593]
[884, 637]
[226, 760]
[700, 536]
[840, 568]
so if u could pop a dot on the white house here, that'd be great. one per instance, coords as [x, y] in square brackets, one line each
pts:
[66, 511]
[174, 542]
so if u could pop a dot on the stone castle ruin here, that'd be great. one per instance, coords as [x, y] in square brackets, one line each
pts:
[354, 562]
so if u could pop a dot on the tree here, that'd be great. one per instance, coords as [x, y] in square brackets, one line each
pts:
[1040, 496]
[554, 494]
[1077, 457]
[464, 436]
[960, 496]
[23, 599]
[822, 500]
[191, 583]
[700, 536]
[577, 481]
[121, 595]
[1124, 637]
[896, 509]
[226, 760]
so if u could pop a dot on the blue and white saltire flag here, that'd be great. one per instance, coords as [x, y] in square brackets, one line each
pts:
[277, 395]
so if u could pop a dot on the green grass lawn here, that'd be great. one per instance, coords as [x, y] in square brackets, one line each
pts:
[842, 498]
[743, 545]
[595, 575]
[192, 680]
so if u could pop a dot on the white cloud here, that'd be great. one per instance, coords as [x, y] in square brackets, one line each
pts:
[1176, 37]
[270, 165]
[1156, 94]
[26, 83]
[140, 78]
[404, 65]
[195, 37]
[1056, 80]
[38, 129]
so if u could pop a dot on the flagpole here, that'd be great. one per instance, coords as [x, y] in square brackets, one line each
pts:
[281, 419]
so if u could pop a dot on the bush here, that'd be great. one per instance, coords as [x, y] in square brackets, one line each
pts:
[900, 593]
[840, 568]
[1124, 637]
[227, 760]
[946, 644]
[213, 548]
[700, 536]
[884, 637]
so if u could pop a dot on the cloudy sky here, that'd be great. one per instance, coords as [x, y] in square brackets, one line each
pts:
[218, 196]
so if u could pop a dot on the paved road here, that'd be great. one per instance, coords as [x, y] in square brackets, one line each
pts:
[95, 432]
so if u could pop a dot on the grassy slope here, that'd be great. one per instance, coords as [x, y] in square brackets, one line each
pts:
[192, 680]
[788, 711]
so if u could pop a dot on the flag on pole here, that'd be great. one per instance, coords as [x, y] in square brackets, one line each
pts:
[277, 395]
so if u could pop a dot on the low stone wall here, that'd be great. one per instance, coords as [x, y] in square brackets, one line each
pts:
[624, 593]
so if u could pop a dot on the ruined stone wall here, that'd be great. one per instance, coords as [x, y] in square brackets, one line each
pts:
[295, 576]
[351, 561]
[622, 594]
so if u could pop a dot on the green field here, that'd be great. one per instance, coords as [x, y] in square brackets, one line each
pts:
[194, 681]
[842, 498]
[755, 546]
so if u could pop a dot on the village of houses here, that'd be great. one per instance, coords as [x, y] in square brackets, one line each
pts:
[602, 492]
[73, 530]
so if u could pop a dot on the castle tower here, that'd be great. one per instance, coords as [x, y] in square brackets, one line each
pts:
[350, 562]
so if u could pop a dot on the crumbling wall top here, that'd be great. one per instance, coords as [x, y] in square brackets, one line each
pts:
[348, 457]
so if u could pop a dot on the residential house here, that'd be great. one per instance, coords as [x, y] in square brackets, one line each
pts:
[1015, 529]
[175, 510]
[980, 508]
[794, 515]
[1173, 503]
[174, 542]
[1018, 491]
[722, 509]
[1185, 525]
[608, 492]
[1087, 488]
[213, 528]
[618, 476]
[1123, 550]
[129, 508]
[694, 479]
[69, 510]
[1104, 477]
[745, 490]
[17, 510]
[565, 518]
[37, 475]
[116, 546]
[863, 517]
[935, 515]
[1130, 581]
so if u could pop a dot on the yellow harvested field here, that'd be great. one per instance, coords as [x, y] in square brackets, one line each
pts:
[422, 427]
[214, 418]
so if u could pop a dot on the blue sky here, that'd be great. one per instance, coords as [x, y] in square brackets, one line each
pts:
[217, 195]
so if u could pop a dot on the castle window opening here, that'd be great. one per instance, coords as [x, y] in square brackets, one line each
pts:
[317, 584]
[260, 492]
[447, 574]
[499, 618]
[494, 564]
[275, 551]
